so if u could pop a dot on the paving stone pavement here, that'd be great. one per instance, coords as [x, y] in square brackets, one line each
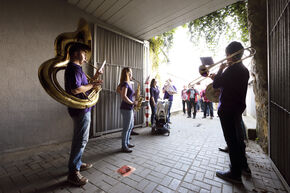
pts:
[183, 162]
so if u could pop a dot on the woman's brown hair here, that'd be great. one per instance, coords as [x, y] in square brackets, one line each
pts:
[152, 82]
[124, 75]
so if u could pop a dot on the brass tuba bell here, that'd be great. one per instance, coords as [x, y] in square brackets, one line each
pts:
[48, 70]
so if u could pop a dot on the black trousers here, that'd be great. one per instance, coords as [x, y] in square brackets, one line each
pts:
[234, 137]
[191, 104]
[183, 106]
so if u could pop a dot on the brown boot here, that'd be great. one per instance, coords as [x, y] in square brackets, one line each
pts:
[85, 166]
[77, 179]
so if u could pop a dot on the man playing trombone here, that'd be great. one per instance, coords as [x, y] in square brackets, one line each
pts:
[233, 83]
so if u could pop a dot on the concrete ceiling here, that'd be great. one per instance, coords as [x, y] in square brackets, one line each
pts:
[144, 19]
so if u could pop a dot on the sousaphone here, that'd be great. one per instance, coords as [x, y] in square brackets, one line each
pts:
[48, 70]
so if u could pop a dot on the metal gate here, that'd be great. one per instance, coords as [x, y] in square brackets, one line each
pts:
[279, 84]
[119, 51]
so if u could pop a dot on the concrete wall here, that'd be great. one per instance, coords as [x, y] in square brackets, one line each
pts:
[257, 18]
[250, 101]
[28, 116]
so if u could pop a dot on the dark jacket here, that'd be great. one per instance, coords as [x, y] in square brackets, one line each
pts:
[233, 83]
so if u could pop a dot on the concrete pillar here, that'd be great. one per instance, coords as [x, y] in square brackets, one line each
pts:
[257, 18]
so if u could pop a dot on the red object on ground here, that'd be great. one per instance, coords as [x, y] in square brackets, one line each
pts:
[125, 170]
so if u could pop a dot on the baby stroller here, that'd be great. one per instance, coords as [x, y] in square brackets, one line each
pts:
[161, 125]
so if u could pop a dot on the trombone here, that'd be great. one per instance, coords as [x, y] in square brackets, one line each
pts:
[205, 70]
[211, 93]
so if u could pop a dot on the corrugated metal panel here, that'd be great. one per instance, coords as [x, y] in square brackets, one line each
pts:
[119, 52]
[279, 84]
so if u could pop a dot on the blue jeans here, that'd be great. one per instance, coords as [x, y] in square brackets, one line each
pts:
[208, 105]
[128, 124]
[169, 107]
[80, 140]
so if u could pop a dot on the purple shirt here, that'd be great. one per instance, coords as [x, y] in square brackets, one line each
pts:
[154, 92]
[233, 83]
[168, 96]
[74, 77]
[130, 93]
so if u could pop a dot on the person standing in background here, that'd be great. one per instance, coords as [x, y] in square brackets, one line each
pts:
[154, 96]
[193, 95]
[169, 90]
[184, 97]
[207, 105]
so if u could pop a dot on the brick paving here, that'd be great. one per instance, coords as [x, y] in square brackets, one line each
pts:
[183, 162]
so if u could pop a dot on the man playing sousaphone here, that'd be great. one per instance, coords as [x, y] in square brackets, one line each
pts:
[169, 90]
[233, 83]
[76, 84]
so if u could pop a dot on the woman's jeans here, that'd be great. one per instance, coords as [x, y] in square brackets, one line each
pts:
[153, 113]
[80, 140]
[128, 124]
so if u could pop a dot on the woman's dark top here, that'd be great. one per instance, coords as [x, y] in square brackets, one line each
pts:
[154, 92]
[233, 83]
[130, 93]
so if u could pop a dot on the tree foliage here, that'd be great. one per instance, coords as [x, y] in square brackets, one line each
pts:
[159, 48]
[230, 21]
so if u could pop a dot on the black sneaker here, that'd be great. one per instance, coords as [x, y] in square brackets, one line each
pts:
[228, 176]
[225, 149]
[134, 133]
[126, 150]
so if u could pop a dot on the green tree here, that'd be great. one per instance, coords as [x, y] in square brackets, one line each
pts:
[159, 48]
[230, 21]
